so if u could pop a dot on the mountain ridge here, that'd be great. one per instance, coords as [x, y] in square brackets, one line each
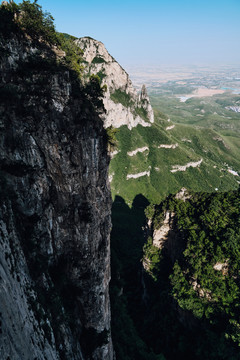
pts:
[122, 103]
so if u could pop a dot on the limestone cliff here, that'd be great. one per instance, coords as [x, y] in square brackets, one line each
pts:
[54, 211]
[165, 234]
[122, 103]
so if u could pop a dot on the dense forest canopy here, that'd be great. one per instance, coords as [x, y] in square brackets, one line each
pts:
[204, 279]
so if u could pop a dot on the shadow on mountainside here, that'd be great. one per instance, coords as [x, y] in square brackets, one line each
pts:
[137, 327]
[147, 321]
[141, 330]
[127, 240]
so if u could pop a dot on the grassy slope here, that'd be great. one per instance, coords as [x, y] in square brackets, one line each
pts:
[208, 112]
[166, 333]
[211, 174]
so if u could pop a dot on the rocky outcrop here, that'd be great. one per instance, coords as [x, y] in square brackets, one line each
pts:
[138, 150]
[122, 103]
[183, 195]
[167, 146]
[144, 101]
[161, 234]
[193, 164]
[168, 238]
[54, 212]
[135, 176]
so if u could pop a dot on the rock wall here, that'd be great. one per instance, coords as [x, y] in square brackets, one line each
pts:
[168, 238]
[138, 109]
[54, 212]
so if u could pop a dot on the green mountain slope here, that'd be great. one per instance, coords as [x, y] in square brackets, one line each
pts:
[156, 156]
[151, 160]
[212, 112]
[207, 160]
[195, 263]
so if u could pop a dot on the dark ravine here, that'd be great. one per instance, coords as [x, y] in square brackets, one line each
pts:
[55, 212]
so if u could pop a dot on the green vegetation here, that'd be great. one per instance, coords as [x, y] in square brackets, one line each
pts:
[190, 297]
[181, 326]
[152, 258]
[208, 112]
[111, 137]
[94, 91]
[98, 60]
[191, 307]
[212, 227]
[73, 57]
[56, 53]
[101, 75]
[142, 113]
[29, 18]
[35, 22]
[126, 305]
[149, 211]
[201, 274]
[183, 307]
[121, 97]
[193, 144]
[69, 37]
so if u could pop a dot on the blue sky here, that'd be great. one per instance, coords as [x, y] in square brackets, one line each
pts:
[155, 31]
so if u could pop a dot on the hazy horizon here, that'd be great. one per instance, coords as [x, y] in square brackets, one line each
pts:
[159, 32]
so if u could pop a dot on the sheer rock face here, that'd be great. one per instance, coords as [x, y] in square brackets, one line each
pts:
[54, 215]
[168, 237]
[144, 100]
[129, 108]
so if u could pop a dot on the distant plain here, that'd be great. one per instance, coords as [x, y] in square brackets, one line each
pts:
[197, 108]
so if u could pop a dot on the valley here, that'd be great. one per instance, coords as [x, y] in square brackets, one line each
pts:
[193, 143]
[201, 96]
[195, 138]
[87, 155]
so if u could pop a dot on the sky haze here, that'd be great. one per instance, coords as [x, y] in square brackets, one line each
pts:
[155, 31]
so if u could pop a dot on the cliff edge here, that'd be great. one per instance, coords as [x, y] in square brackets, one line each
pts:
[54, 212]
[122, 103]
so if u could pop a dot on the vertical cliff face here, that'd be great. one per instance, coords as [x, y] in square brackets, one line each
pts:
[122, 103]
[54, 212]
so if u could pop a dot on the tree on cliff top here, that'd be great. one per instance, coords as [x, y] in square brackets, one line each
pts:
[36, 23]
[30, 18]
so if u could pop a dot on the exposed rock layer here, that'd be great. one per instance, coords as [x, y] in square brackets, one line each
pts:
[122, 103]
[54, 214]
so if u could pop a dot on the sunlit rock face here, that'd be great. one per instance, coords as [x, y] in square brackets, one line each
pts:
[122, 103]
[54, 215]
